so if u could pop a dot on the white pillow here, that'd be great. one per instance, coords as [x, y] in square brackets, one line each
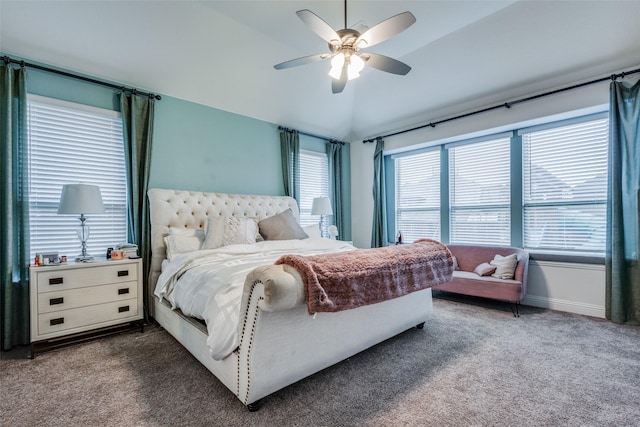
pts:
[505, 266]
[229, 230]
[181, 243]
[198, 232]
[312, 230]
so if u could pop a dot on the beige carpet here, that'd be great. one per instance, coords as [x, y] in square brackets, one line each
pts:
[473, 364]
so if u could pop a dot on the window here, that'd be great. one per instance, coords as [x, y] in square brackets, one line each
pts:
[543, 188]
[565, 187]
[68, 144]
[480, 192]
[417, 188]
[314, 182]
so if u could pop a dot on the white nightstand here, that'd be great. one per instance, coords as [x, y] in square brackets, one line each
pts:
[77, 301]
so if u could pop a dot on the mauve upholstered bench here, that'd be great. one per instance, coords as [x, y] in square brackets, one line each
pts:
[467, 282]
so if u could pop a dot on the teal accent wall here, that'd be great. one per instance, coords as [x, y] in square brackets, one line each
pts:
[70, 89]
[205, 149]
[196, 147]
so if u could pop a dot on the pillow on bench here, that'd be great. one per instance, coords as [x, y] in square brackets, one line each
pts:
[505, 266]
[485, 269]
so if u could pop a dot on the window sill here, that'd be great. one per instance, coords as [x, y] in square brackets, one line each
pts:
[575, 259]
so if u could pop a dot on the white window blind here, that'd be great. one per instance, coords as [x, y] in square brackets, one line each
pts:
[417, 195]
[565, 187]
[314, 182]
[68, 144]
[479, 193]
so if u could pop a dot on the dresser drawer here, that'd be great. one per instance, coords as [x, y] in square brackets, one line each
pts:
[93, 316]
[73, 298]
[58, 280]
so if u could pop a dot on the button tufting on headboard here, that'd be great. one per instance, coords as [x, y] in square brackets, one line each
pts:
[190, 209]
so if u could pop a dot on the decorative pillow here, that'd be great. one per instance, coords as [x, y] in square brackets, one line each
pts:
[485, 269]
[456, 267]
[282, 226]
[229, 230]
[312, 230]
[187, 232]
[505, 266]
[181, 243]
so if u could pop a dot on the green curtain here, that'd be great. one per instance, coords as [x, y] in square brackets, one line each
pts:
[14, 208]
[137, 124]
[623, 210]
[290, 152]
[334, 157]
[379, 231]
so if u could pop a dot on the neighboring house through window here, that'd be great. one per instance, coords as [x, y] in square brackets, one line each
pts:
[542, 188]
[565, 186]
[418, 195]
[479, 193]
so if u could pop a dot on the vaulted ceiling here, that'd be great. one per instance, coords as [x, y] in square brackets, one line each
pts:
[463, 54]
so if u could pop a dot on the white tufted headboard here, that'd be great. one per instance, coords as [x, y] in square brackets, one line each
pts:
[190, 209]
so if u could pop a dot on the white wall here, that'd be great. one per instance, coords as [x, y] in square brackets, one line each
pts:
[577, 288]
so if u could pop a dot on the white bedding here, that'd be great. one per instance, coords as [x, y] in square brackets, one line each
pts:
[208, 284]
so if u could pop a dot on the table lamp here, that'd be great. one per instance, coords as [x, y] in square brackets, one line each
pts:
[321, 206]
[81, 199]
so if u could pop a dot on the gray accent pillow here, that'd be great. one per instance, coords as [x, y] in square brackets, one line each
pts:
[485, 269]
[282, 226]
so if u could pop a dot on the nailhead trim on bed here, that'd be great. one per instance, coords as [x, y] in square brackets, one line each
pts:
[250, 345]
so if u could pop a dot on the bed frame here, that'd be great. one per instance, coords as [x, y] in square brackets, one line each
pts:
[272, 353]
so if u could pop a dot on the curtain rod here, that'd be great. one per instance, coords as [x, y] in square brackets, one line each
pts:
[134, 91]
[333, 141]
[508, 104]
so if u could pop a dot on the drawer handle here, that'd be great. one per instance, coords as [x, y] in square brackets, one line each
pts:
[55, 301]
[123, 309]
[123, 291]
[56, 281]
[122, 273]
[56, 321]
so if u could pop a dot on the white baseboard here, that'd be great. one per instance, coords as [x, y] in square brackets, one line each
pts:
[565, 305]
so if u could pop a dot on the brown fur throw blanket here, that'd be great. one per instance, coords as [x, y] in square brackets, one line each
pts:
[345, 280]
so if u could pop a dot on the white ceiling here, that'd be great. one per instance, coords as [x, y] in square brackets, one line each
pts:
[463, 54]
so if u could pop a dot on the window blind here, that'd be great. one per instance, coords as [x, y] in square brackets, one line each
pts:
[68, 144]
[565, 187]
[479, 192]
[417, 179]
[314, 182]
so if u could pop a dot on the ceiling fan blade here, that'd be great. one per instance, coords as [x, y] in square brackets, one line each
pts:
[337, 85]
[319, 26]
[384, 63]
[385, 29]
[301, 61]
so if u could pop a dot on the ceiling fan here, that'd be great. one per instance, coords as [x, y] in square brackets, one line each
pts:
[346, 58]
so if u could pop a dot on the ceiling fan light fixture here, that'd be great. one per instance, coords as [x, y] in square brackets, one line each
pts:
[344, 45]
[336, 66]
[356, 64]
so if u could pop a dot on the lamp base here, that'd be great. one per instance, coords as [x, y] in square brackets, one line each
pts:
[84, 258]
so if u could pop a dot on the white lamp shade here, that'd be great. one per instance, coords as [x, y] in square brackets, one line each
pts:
[81, 199]
[321, 206]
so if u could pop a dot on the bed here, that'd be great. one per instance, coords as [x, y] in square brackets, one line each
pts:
[268, 346]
